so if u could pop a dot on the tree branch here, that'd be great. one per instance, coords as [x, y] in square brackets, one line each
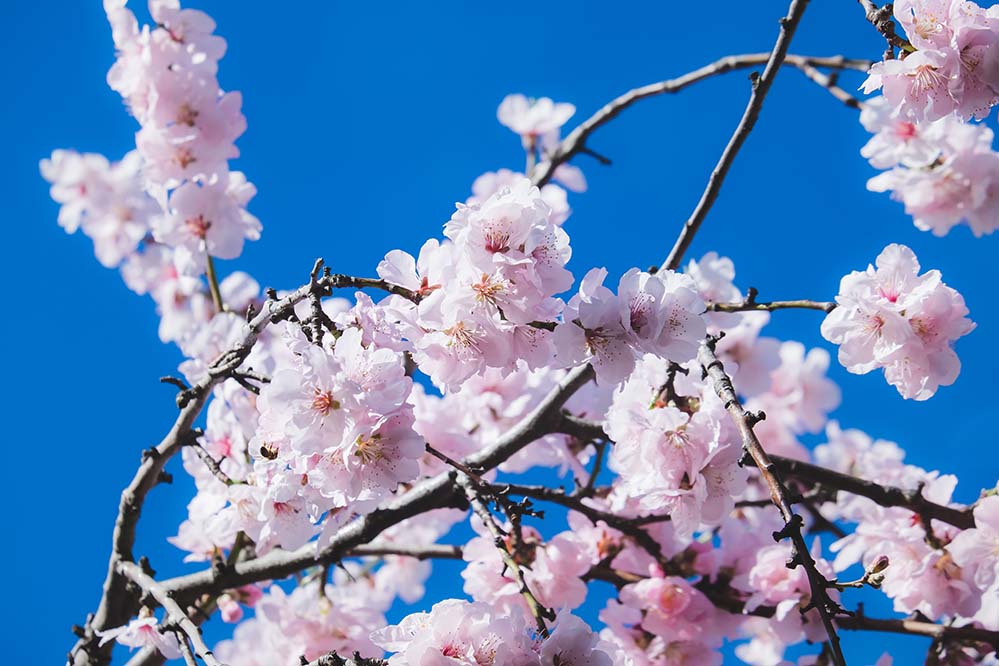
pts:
[539, 612]
[575, 142]
[887, 496]
[761, 86]
[175, 615]
[820, 600]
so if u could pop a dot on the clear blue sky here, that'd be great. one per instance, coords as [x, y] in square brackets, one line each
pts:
[366, 122]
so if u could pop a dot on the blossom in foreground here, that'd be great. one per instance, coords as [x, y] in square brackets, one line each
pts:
[891, 317]
[144, 632]
[659, 314]
[955, 66]
[462, 632]
[977, 549]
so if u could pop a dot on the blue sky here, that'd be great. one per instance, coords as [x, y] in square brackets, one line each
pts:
[367, 121]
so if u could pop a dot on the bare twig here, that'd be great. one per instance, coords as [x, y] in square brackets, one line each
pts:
[749, 304]
[539, 612]
[761, 86]
[433, 551]
[800, 555]
[575, 142]
[212, 464]
[828, 81]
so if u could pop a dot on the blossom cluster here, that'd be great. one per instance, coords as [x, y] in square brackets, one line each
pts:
[944, 171]
[167, 77]
[951, 65]
[892, 317]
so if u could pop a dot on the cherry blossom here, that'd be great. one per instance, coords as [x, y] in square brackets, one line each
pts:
[106, 200]
[891, 317]
[144, 632]
[532, 118]
[953, 67]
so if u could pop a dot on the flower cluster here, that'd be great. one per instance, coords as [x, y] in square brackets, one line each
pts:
[953, 65]
[891, 317]
[675, 453]
[944, 171]
[484, 290]
[335, 436]
[349, 418]
[107, 201]
[308, 622]
[459, 632]
[167, 76]
[657, 314]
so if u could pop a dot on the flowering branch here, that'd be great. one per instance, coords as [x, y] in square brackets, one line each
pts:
[433, 493]
[800, 555]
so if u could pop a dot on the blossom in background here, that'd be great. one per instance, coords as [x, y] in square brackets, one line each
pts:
[532, 118]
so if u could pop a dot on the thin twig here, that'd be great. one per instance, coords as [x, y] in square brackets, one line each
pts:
[540, 613]
[575, 142]
[752, 306]
[212, 464]
[761, 86]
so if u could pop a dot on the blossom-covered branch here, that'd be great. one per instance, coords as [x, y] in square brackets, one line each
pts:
[800, 554]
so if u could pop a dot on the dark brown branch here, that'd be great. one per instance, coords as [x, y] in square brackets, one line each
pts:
[429, 552]
[575, 142]
[818, 584]
[624, 525]
[761, 86]
[887, 496]
[212, 464]
[828, 81]
[940, 632]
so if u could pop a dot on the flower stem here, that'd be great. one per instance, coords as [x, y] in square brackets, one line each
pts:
[213, 284]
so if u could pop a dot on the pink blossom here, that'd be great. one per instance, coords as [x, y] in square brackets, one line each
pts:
[955, 67]
[144, 632]
[209, 219]
[977, 549]
[459, 632]
[531, 118]
[106, 200]
[894, 318]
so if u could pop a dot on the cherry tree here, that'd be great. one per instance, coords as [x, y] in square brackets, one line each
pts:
[349, 424]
